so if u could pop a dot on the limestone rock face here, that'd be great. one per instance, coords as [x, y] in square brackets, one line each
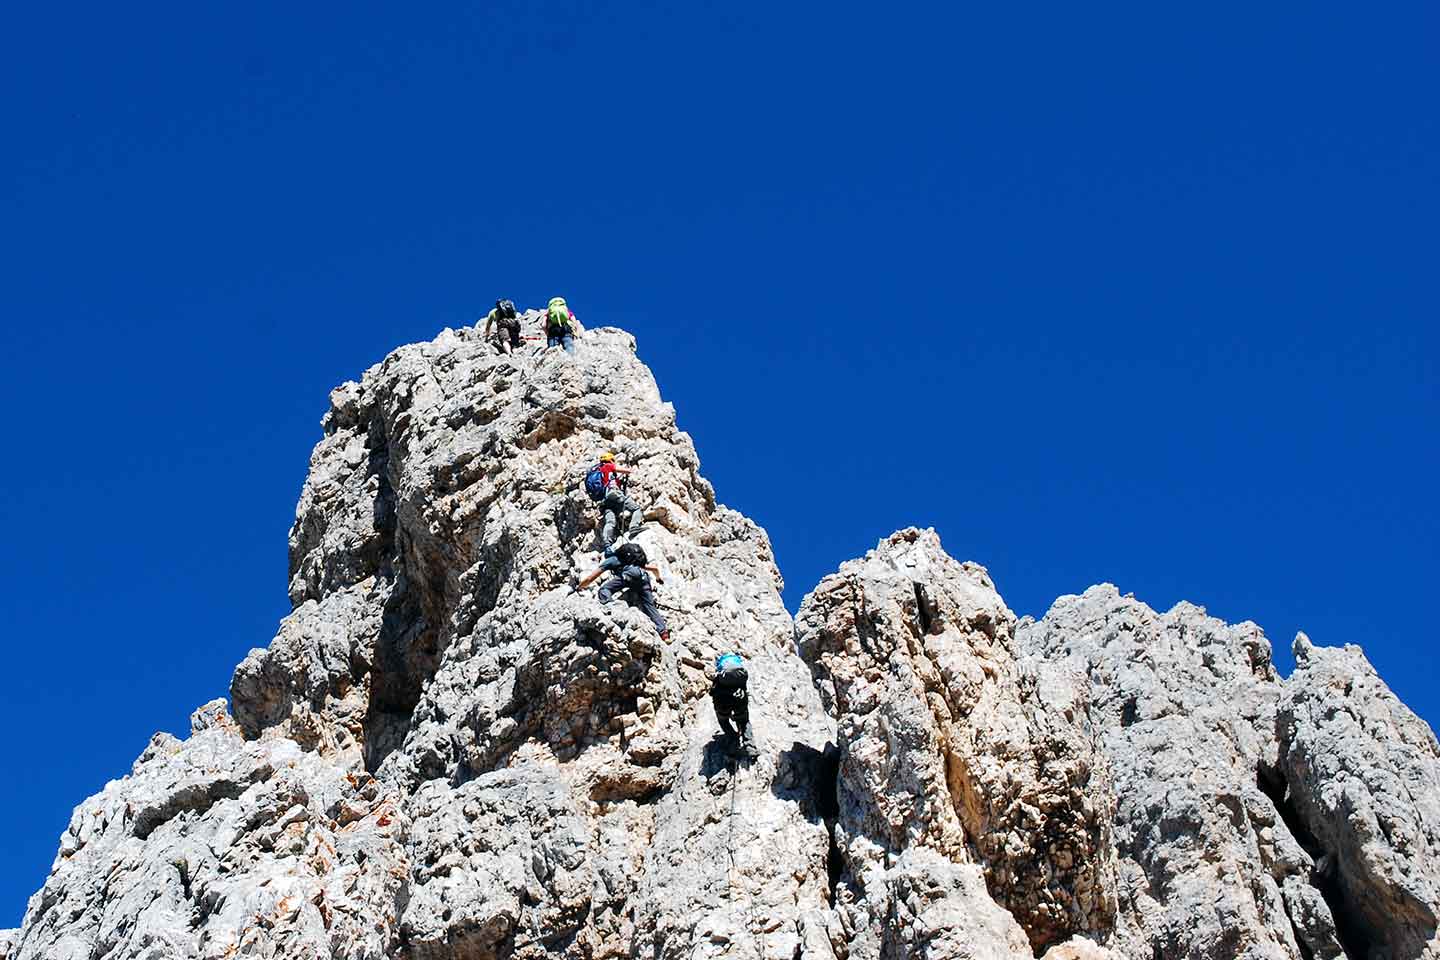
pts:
[1186, 706]
[1364, 789]
[215, 847]
[449, 752]
[956, 759]
[504, 766]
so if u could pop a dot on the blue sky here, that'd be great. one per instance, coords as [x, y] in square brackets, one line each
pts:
[1145, 295]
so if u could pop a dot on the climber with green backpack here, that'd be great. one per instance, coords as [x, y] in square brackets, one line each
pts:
[605, 483]
[732, 703]
[560, 325]
[630, 572]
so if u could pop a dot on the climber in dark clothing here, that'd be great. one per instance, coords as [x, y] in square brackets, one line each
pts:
[732, 703]
[506, 322]
[630, 572]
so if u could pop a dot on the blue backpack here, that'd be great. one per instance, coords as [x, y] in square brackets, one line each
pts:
[595, 484]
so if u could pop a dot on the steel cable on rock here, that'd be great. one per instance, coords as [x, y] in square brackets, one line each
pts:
[751, 925]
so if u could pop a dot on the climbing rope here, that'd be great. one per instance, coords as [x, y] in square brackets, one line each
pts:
[730, 826]
[751, 925]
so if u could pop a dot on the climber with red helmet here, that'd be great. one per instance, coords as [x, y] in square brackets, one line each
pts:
[605, 483]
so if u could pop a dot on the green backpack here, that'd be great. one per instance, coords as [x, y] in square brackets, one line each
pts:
[558, 316]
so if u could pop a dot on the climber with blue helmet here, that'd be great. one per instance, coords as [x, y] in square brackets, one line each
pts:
[732, 703]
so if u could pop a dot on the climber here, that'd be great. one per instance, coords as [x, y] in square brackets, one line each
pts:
[560, 325]
[630, 571]
[505, 320]
[605, 483]
[727, 693]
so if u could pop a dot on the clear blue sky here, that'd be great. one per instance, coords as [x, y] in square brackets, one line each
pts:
[1145, 295]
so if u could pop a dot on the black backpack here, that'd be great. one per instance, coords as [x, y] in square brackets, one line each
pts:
[631, 555]
[507, 309]
[731, 678]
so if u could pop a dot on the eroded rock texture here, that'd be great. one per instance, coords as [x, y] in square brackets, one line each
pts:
[956, 759]
[447, 753]
[1362, 771]
[1187, 709]
[526, 772]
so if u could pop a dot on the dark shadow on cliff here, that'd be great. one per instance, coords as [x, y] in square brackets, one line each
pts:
[721, 753]
[811, 778]
[405, 657]
[1355, 935]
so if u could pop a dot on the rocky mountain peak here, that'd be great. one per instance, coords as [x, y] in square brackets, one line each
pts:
[452, 749]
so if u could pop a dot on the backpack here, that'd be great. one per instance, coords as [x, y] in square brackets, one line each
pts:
[507, 309]
[595, 483]
[631, 555]
[727, 661]
[558, 315]
[730, 671]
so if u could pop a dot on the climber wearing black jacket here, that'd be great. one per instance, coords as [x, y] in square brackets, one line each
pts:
[630, 571]
[732, 703]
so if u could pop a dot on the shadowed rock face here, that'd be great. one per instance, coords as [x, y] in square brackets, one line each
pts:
[447, 753]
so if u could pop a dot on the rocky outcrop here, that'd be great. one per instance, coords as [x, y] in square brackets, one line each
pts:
[1361, 772]
[531, 772]
[215, 847]
[955, 758]
[1186, 707]
[449, 752]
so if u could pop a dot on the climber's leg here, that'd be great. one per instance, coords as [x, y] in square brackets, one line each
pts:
[725, 726]
[613, 506]
[610, 587]
[747, 733]
[637, 519]
[644, 598]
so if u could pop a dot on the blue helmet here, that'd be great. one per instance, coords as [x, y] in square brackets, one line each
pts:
[728, 661]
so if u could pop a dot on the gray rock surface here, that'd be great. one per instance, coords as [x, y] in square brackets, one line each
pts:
[1362, 773]
[1186, 706]
[546, 767]
[949, 744]
[448, 753]
[215, 847]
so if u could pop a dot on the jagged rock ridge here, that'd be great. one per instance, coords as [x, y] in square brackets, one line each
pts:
[448, 753]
